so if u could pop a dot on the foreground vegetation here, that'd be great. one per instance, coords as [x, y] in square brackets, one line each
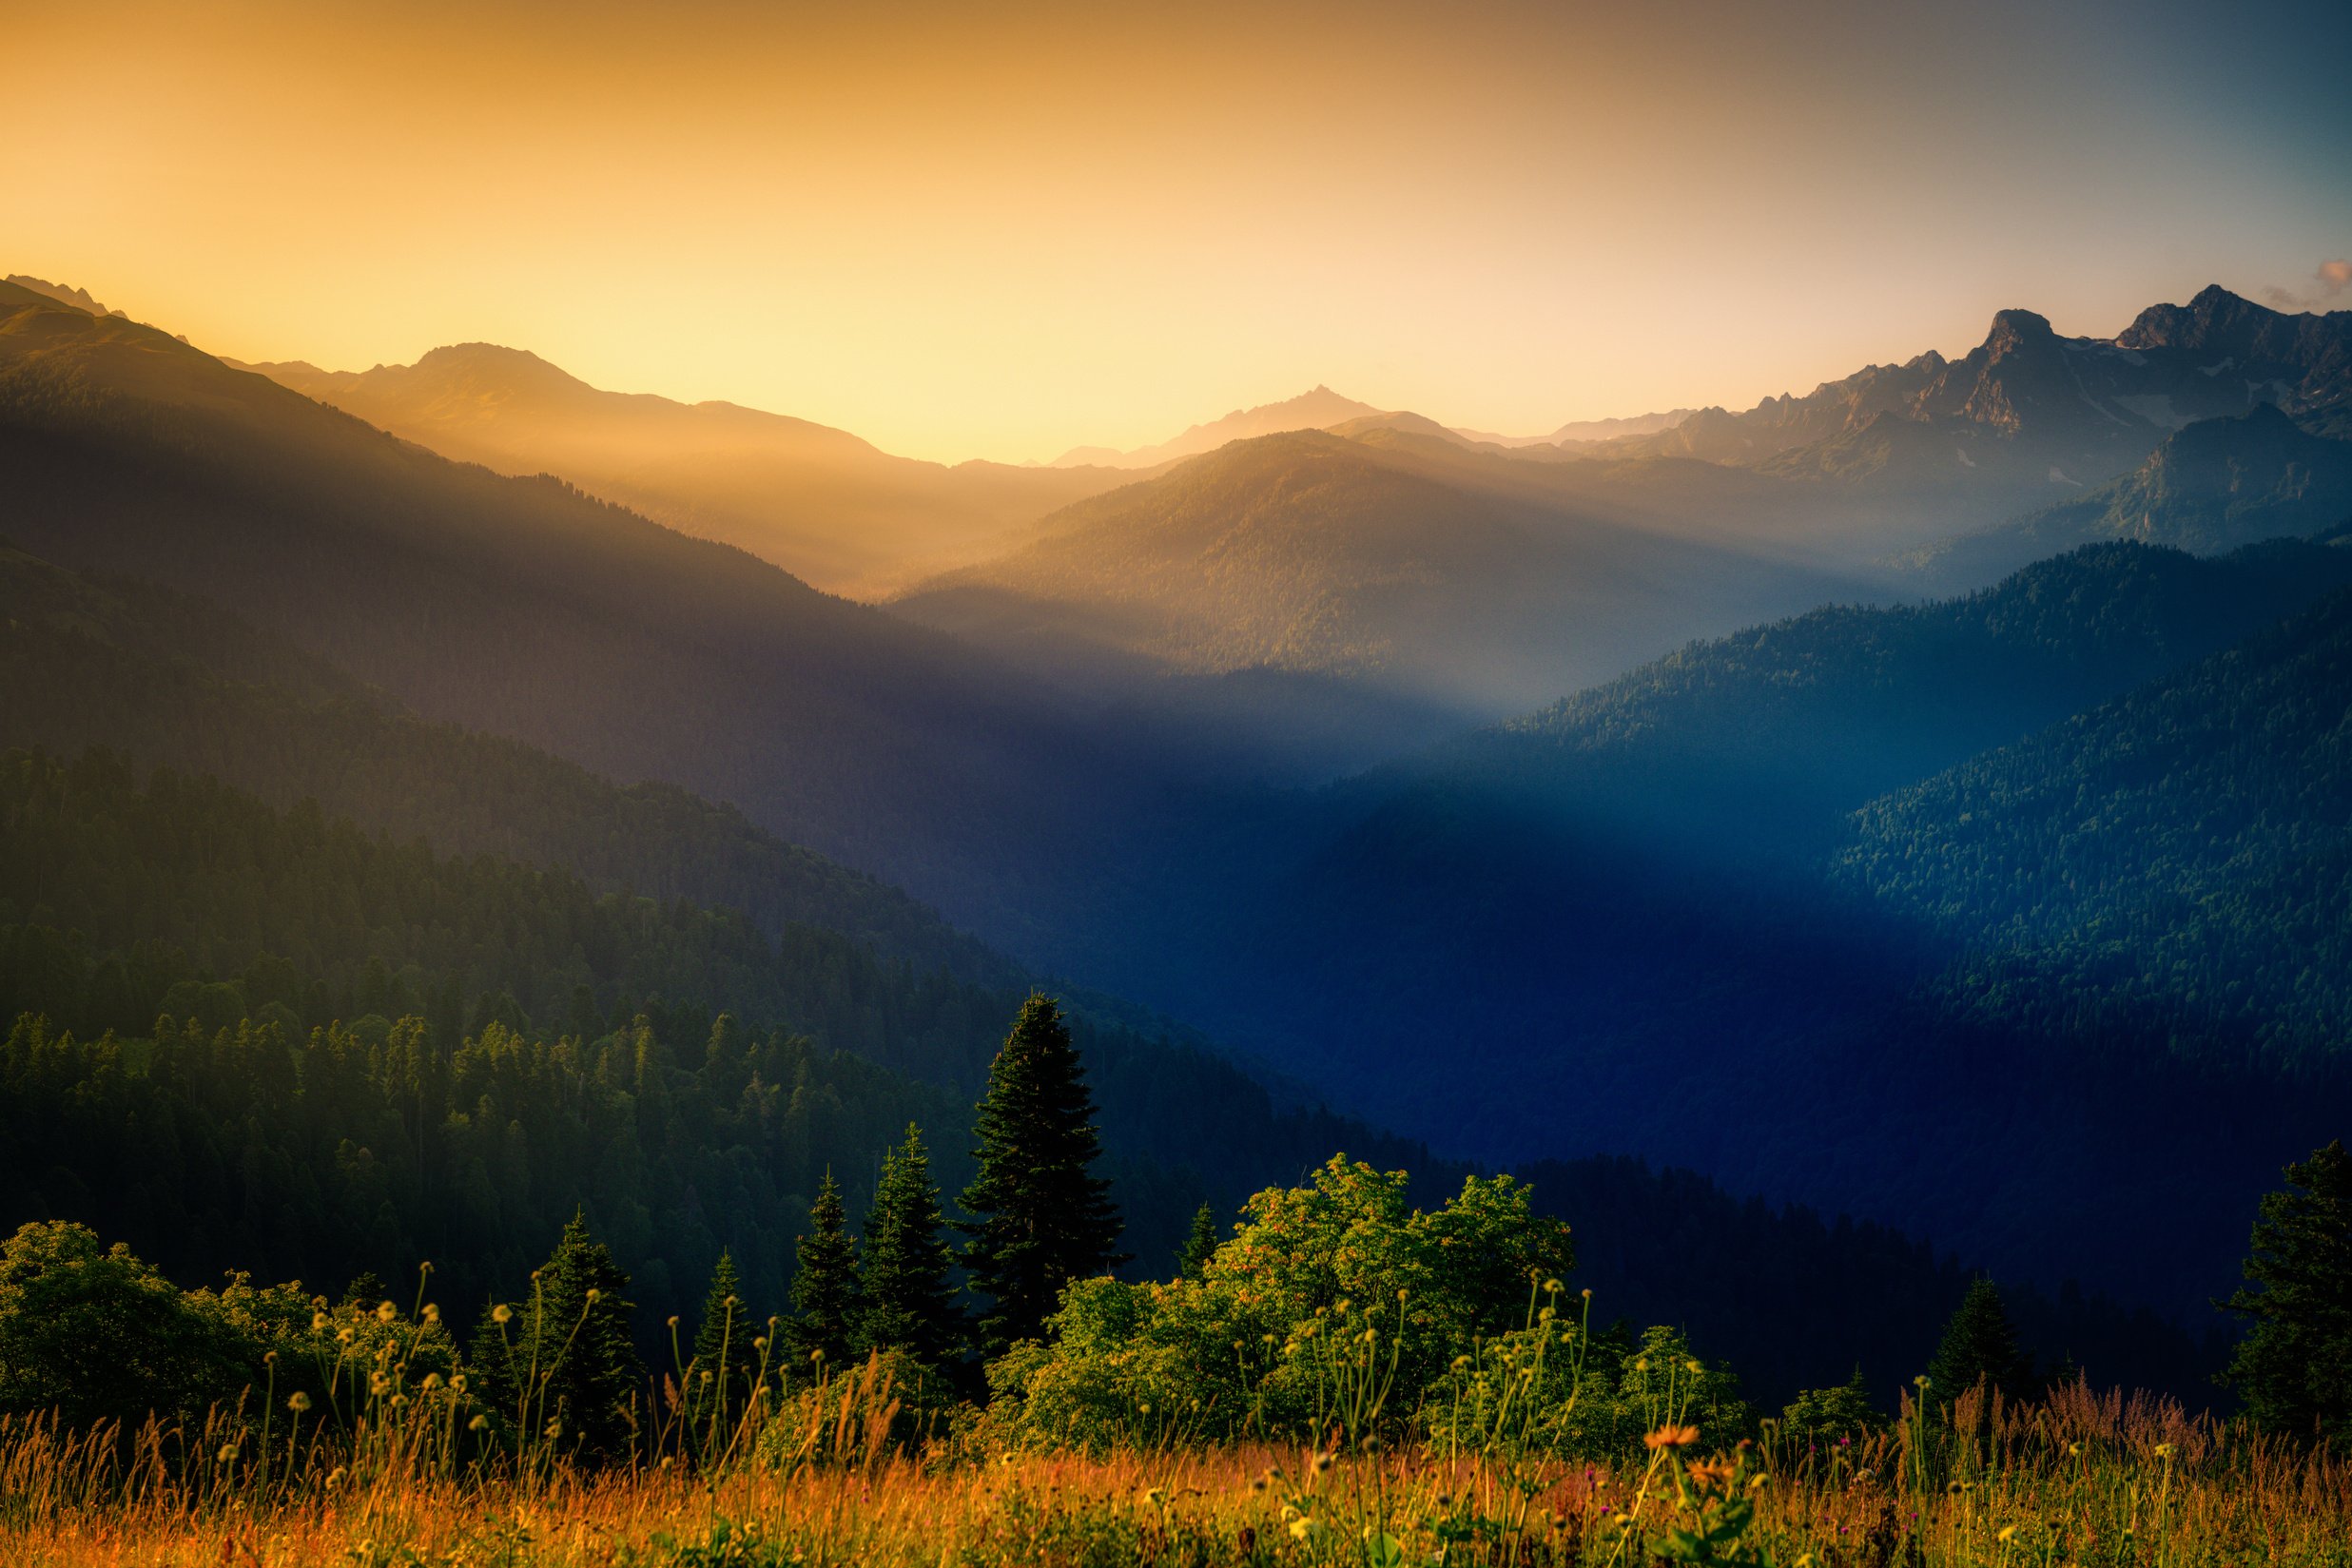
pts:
[2078, 1477]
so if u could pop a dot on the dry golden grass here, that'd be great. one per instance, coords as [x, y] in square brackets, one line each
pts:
[2078, 1480]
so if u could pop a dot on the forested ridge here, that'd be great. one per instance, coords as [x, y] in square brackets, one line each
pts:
[368, 1056]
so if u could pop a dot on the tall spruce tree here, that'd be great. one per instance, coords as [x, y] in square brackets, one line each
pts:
[1200, 1244]
[1041, 1216]
[828, 1297]
[2294, 1369]
[723, 1339]
[563, 1356]
[910, 1301]
[1979, 1345]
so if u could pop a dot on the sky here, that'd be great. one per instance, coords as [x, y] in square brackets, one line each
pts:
[1002, 231]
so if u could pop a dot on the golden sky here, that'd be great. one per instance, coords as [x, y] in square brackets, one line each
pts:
[1001, 231]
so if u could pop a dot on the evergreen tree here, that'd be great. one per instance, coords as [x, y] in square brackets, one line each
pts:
[1979, 1343]
[827, 1298]
[909, 1301]
[1200, 1244]
[569, 1361]
[2294, 1370]
[723, 1339]
[1041, 1216]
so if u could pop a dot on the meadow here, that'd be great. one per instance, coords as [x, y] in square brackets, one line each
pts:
[2076, 1477]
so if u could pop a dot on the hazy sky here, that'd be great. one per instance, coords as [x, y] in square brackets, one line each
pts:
[1003, 230]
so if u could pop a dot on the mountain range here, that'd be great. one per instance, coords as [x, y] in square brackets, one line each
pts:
[828, 507]
[1830, 906]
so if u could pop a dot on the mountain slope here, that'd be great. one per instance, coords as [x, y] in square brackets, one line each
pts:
[168, 680]
[2183, 853]
[1395, 559]
[525, 608]
[2031, 413]
[2210, 486]
[819, 502]
[1614, 925]
[1318, 408]
[189, 684]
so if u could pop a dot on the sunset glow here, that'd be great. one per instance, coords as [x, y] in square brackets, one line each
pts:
[985, 232]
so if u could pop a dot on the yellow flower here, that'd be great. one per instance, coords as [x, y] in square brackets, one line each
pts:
[1301, 1528]
[1672, 1437]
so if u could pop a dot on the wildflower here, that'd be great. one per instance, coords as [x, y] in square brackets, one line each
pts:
[298, 1401]
[317, 1323]
[502, 1314]
[1157, 1498]
[2163, 1451]
[1301, 1528]
[1693, 1367]
[1672, 1437]
[457, 1383]
[2008, 1532]
[1322, 1463]
[478, 1423]
[385, 1312]
[1551, 1287]
[594, 1294]
[343, 1336]
[433, 1311]
[227, 1454]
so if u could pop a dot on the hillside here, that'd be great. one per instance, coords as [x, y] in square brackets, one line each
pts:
[824, 505]
[1614, 924]
[1395, 559]
[2179, 858]
[167, 680]
[524, 608]
[2209, 487]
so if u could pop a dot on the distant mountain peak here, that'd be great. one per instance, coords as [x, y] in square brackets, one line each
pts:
[1318, 408]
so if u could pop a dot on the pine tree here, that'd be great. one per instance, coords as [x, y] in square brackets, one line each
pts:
[1200, 1244]
[827, 1299]
[2294, 1369]
[723, 1339]
[569, 1361]
[1042, 1217]
[910, 1302]
[1979, 1345]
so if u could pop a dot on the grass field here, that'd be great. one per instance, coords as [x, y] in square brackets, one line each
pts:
[2077, 1478]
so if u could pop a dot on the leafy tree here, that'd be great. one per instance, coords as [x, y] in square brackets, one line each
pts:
[828, 1296]
[1248, 1346]
[1980, 1344]
[2294, 1369]
[91, 1332]
[723, 1338]
[570, 1363]
[1042, 1217]
[910, 1299]
[1200, 1244]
